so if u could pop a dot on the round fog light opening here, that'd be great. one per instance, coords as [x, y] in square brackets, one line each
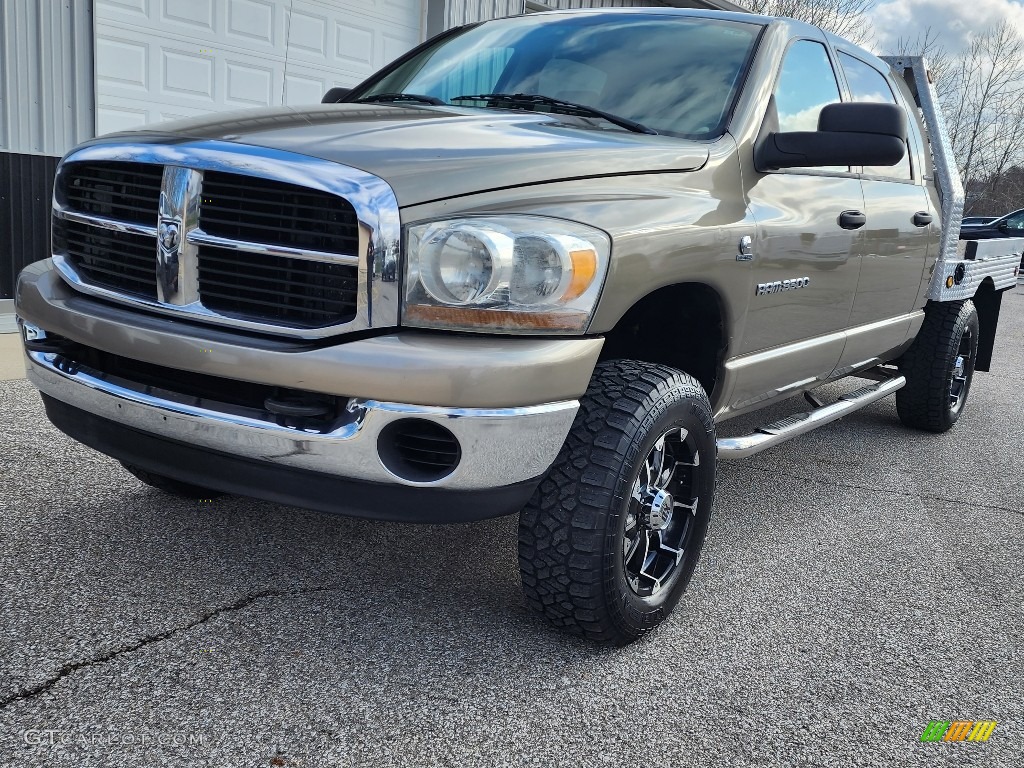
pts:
[418, 450]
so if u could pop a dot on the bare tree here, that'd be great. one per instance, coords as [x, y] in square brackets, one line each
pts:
[927, 44]
[845, 18]
[982, 90]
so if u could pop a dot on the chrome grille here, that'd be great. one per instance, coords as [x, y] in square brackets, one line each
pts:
[266, 211]
[122, 191]
[120, 261]
[298, 292]
[224, 247]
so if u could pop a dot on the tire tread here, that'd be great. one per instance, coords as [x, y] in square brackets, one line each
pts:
[924, 403]
[562, 531]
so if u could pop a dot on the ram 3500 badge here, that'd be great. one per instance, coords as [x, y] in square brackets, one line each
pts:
[528, 267]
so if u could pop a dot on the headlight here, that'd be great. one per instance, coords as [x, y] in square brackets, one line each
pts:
[513, 274]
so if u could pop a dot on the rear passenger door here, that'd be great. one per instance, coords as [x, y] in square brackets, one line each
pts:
[900, 227]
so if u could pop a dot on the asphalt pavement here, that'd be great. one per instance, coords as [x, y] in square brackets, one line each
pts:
[857, 583]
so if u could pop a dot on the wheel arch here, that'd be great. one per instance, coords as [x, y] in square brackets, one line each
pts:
[682, 325]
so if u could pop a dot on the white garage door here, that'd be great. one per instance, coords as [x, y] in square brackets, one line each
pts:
[163, 59]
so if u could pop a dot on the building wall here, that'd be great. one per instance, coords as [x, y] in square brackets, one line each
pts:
[46, 107]
[167, 59]
[468, 11]
[569, 4]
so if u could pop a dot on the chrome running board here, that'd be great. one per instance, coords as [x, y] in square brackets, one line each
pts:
[801, 423]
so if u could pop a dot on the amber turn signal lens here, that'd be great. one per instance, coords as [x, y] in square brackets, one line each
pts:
[584, 269]
[949, 281]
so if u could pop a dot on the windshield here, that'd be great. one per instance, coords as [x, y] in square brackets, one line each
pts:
[678, 75]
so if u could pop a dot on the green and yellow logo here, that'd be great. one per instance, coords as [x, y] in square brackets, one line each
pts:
[958, 730]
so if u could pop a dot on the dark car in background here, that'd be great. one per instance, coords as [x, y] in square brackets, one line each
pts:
[976, 220]
[1010, 225]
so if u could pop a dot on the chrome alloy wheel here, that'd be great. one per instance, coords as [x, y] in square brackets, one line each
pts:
[660, 518]
[963, 370]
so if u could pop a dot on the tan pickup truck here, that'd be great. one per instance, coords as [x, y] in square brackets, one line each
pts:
[528, 267]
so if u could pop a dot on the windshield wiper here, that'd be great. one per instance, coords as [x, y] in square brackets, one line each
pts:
[514, 100]
[384, 98]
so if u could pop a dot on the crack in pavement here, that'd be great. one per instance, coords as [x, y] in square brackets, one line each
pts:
[905, 494]
[993, 507]
[835, 483]
[34, 690]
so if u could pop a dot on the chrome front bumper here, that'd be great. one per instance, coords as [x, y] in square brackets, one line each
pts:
[500, 446]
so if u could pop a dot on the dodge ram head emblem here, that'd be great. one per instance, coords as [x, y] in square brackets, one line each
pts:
[169, 237]
[170, 234]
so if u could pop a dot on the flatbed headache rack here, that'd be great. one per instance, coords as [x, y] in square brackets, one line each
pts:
[962, 265]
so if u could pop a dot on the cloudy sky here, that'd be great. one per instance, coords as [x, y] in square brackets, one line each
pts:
[953, 20]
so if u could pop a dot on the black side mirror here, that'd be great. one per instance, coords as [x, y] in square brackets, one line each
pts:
[335, 95]
[848, 134]
[1003, 226]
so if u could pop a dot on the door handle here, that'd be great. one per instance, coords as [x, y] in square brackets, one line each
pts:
[922, 219]
[852, 219]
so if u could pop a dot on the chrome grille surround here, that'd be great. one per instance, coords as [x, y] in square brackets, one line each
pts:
[176, 268]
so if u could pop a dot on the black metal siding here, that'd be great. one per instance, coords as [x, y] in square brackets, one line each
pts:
[26, 186]
[46, 108]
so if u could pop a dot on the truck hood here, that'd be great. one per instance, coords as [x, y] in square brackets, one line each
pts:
[433, 153]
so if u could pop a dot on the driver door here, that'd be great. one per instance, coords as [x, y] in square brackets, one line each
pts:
[806, 257]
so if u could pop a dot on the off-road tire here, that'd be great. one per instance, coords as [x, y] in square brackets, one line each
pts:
[572, 532]
[170, 485]
[929, 365]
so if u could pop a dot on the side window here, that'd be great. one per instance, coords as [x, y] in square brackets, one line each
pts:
[807, 84]
[1015, 222]
[868, 84]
